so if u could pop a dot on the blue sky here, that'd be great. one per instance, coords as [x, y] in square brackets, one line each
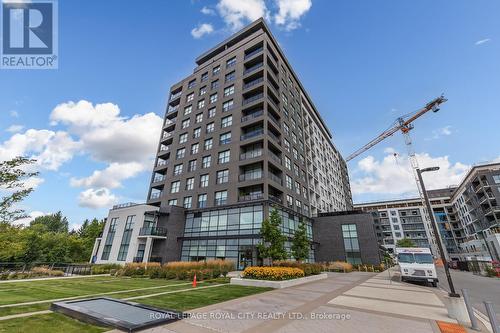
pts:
[363, 62]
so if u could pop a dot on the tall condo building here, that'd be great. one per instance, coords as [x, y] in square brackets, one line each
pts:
[240, 135]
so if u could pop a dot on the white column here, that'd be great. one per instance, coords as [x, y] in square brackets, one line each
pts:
[147, 249]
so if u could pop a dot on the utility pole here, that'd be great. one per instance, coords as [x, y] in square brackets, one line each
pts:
[437, 236]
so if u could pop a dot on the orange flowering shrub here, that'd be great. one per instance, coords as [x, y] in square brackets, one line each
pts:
[273, 273]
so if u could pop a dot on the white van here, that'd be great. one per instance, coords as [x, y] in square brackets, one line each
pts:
[417, 264]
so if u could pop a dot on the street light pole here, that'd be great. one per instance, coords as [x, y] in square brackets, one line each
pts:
[452, 292]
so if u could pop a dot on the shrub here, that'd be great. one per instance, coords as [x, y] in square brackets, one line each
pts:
[339, 266]
[308, 268]
[105, 268]
[210, 269]
[273, 273]
[138, 269]
[45, 271]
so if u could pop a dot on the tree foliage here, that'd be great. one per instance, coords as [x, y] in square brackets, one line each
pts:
[12, 176]
[405, 242]
[300, 243]
[273, 240]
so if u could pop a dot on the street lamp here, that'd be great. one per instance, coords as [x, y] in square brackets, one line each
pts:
[452, 292]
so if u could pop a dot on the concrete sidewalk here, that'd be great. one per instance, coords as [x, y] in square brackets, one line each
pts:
[354, 302]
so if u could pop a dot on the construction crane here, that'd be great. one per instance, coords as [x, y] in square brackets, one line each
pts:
[405, 125]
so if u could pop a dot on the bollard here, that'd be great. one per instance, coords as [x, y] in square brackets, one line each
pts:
[492, 316]
[473, 319]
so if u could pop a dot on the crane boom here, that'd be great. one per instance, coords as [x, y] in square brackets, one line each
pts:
[402, 124]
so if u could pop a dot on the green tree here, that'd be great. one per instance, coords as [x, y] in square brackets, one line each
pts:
[12, 240]
[300, 243]
[51, 223]
[87, 234]
[405, 242]
[273, 241]
[12, 177]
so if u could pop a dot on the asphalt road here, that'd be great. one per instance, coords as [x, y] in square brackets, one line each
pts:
[480, 288]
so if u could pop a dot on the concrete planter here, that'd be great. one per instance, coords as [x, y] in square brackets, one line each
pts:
[277, 284]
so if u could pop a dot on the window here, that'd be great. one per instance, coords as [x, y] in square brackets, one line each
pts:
[296, 169]
[226, 121]
[201, 104]
[216, 70]
[214, 84]
[189, 184]
[286, 128]
[109, 239]
[210, 127]
[288, 181]
[127, 234]
[213, 98]
[220, 198]
[172, 202]
[202, 200]
[206, 161]
[189, 97]
[287, 145]
[174, 187]
[228, 105]
[224, 156]
[177, 169]
[185, 123]
[187, 110]
[211, 113]
[204, 77]
[295, 153]
[288, 163]
[225, 138]
[203, 90]
[230, 76]
[204, 180]
[197, 132]
[208, 144]
[191, 84]
[194, 148]
[222, 176]
[188, 202]
[199, 118]
[496, 179]
[192, 165]
[231, 62]
[229, 90]
[289, 201]
[297, 188]
[351, 244]
[183, 138]
[180, 153]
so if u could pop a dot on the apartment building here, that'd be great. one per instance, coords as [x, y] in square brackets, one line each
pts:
[467, 217]
[240, 135]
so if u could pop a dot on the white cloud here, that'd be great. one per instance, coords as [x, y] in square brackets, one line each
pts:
[482, 41]
[14, 114]
[207, 11]
[290, 12]
[110, 177]
[201, 30]
[96, 198]
[14, 128]
[440, 132]
[395, 176]
[31, 216]
[50, 149]
[236, 13]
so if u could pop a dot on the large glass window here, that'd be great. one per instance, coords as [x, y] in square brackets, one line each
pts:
[224, 156]
[109, 239]
[351, 243]
[127, 233]
[222, 176]
[220, 198]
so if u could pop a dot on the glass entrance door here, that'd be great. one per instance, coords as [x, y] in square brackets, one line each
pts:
[245, 258]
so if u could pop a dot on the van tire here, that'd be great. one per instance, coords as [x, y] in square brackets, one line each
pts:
[434, 284]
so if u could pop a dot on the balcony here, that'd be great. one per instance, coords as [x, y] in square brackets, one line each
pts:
[153, 231]
[273, 103]
[250, 197]
[250, 154]
[155, 195]
[253, 68]
[172, 109]
[252, 99]
[275, 178]
[254, 52]
[253, 115]
[252, 134]
[250, 176]
[175, 96]
[253, 83]
[166, 135]
[274, 137]
[275, 157]
[274, 119]
[275, 198]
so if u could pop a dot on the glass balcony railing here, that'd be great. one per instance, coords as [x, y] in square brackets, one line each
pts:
[253, 68]
[250, 176]
[153, 231]
[174, 96]
[253, 98]
[250, 154]
[254, 52]
[252, 134]
[155, 195]
[252, 116]
[249, 197]
[253, 83]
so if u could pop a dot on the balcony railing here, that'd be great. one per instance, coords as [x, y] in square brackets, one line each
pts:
[253, 83]
[250, 154]
[159, 179]
[275, 178]
[153, 231]
[273, 103]
[275, 157]
[155, 195]
[161, 163]
[252, 116]
[275, 198]
[251, 134]
[172, 109]
[274, 136]
[250, 176]
[249, 197]
[276, 121]
[254, 67]
[253, 98]
[176, 95]
[254, 52]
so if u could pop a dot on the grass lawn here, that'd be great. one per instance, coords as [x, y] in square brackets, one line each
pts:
[11, 293]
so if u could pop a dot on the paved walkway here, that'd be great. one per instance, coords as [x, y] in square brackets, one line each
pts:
[354, 302]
